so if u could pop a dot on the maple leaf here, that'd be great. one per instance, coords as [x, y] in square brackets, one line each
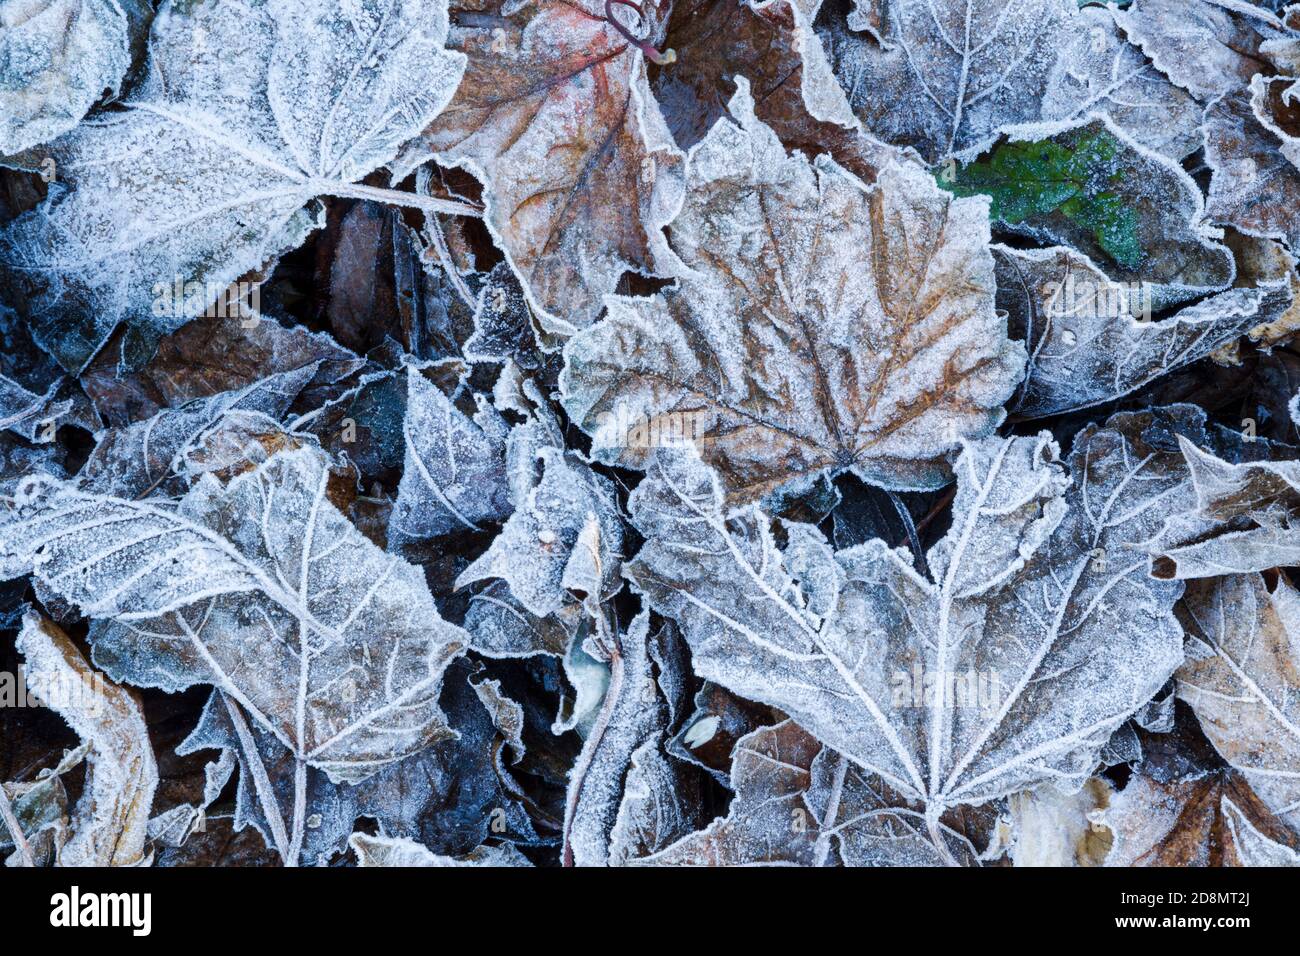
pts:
[261, 588]
[249, 112]
[1255, 162]
[1029, 582]
[203, 359]
[947, 75]
[823, 324]
[455, 472]
[556, 118]
[1099, 71]
[1184, 806]
[770, 43]
[1243, 519]
[450, 796]
[798, 803]
[1208, 47]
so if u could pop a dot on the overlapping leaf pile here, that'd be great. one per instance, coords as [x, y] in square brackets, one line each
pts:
[699, 432]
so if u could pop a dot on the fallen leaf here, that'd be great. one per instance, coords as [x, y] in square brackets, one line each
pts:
[823, 325]
[110, 822]
[866, 654]
[279, 104]
[556, 119]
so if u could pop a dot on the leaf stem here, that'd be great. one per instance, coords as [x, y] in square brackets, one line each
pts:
[394, 197]
[299, 810]
[936, 836]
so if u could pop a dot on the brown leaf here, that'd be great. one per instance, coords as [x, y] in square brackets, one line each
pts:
[1255, 186]
[822, 325]
[209, 356]
[555, 116]
[771, 43]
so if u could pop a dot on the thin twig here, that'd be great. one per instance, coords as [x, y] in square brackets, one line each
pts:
[641, 43]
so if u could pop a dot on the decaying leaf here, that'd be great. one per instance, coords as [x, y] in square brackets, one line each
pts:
[606, 433]
[1183, 806]
[771, 44]
[110, 822]
[565, 534]
[1243, 519]
[1090, 186]
[1205, 46]
[454, 475]
[556, 118]
[450, 797]
[1255, 185]
[822, 325]
[260, 588]
[946, 75]
[402, 852]
[800, 804]
[57, 58]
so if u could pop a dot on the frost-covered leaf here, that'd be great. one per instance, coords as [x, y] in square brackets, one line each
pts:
[661, 797]
[134, 461]
[771, 44]
[1255, 186]
[1099, 71]
[402, 852]
[38, 809]
[259, 587]
[1089, 186]
[823, 325]
[1205, 46]
[768, 822]
[111, 819]
[1244, 519]
[207, 357]
[251, 109]
[1252, 847]
[450, 797]
[1241, 679]
[454, 475]
[1053, 828]
[1183, 806]
[1039, 633]
[57, 58]
[565, 534]
[947, 75]
[556, 118]
[798, 803]
[1091, 340]
[1191, 822]
[632, 713]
